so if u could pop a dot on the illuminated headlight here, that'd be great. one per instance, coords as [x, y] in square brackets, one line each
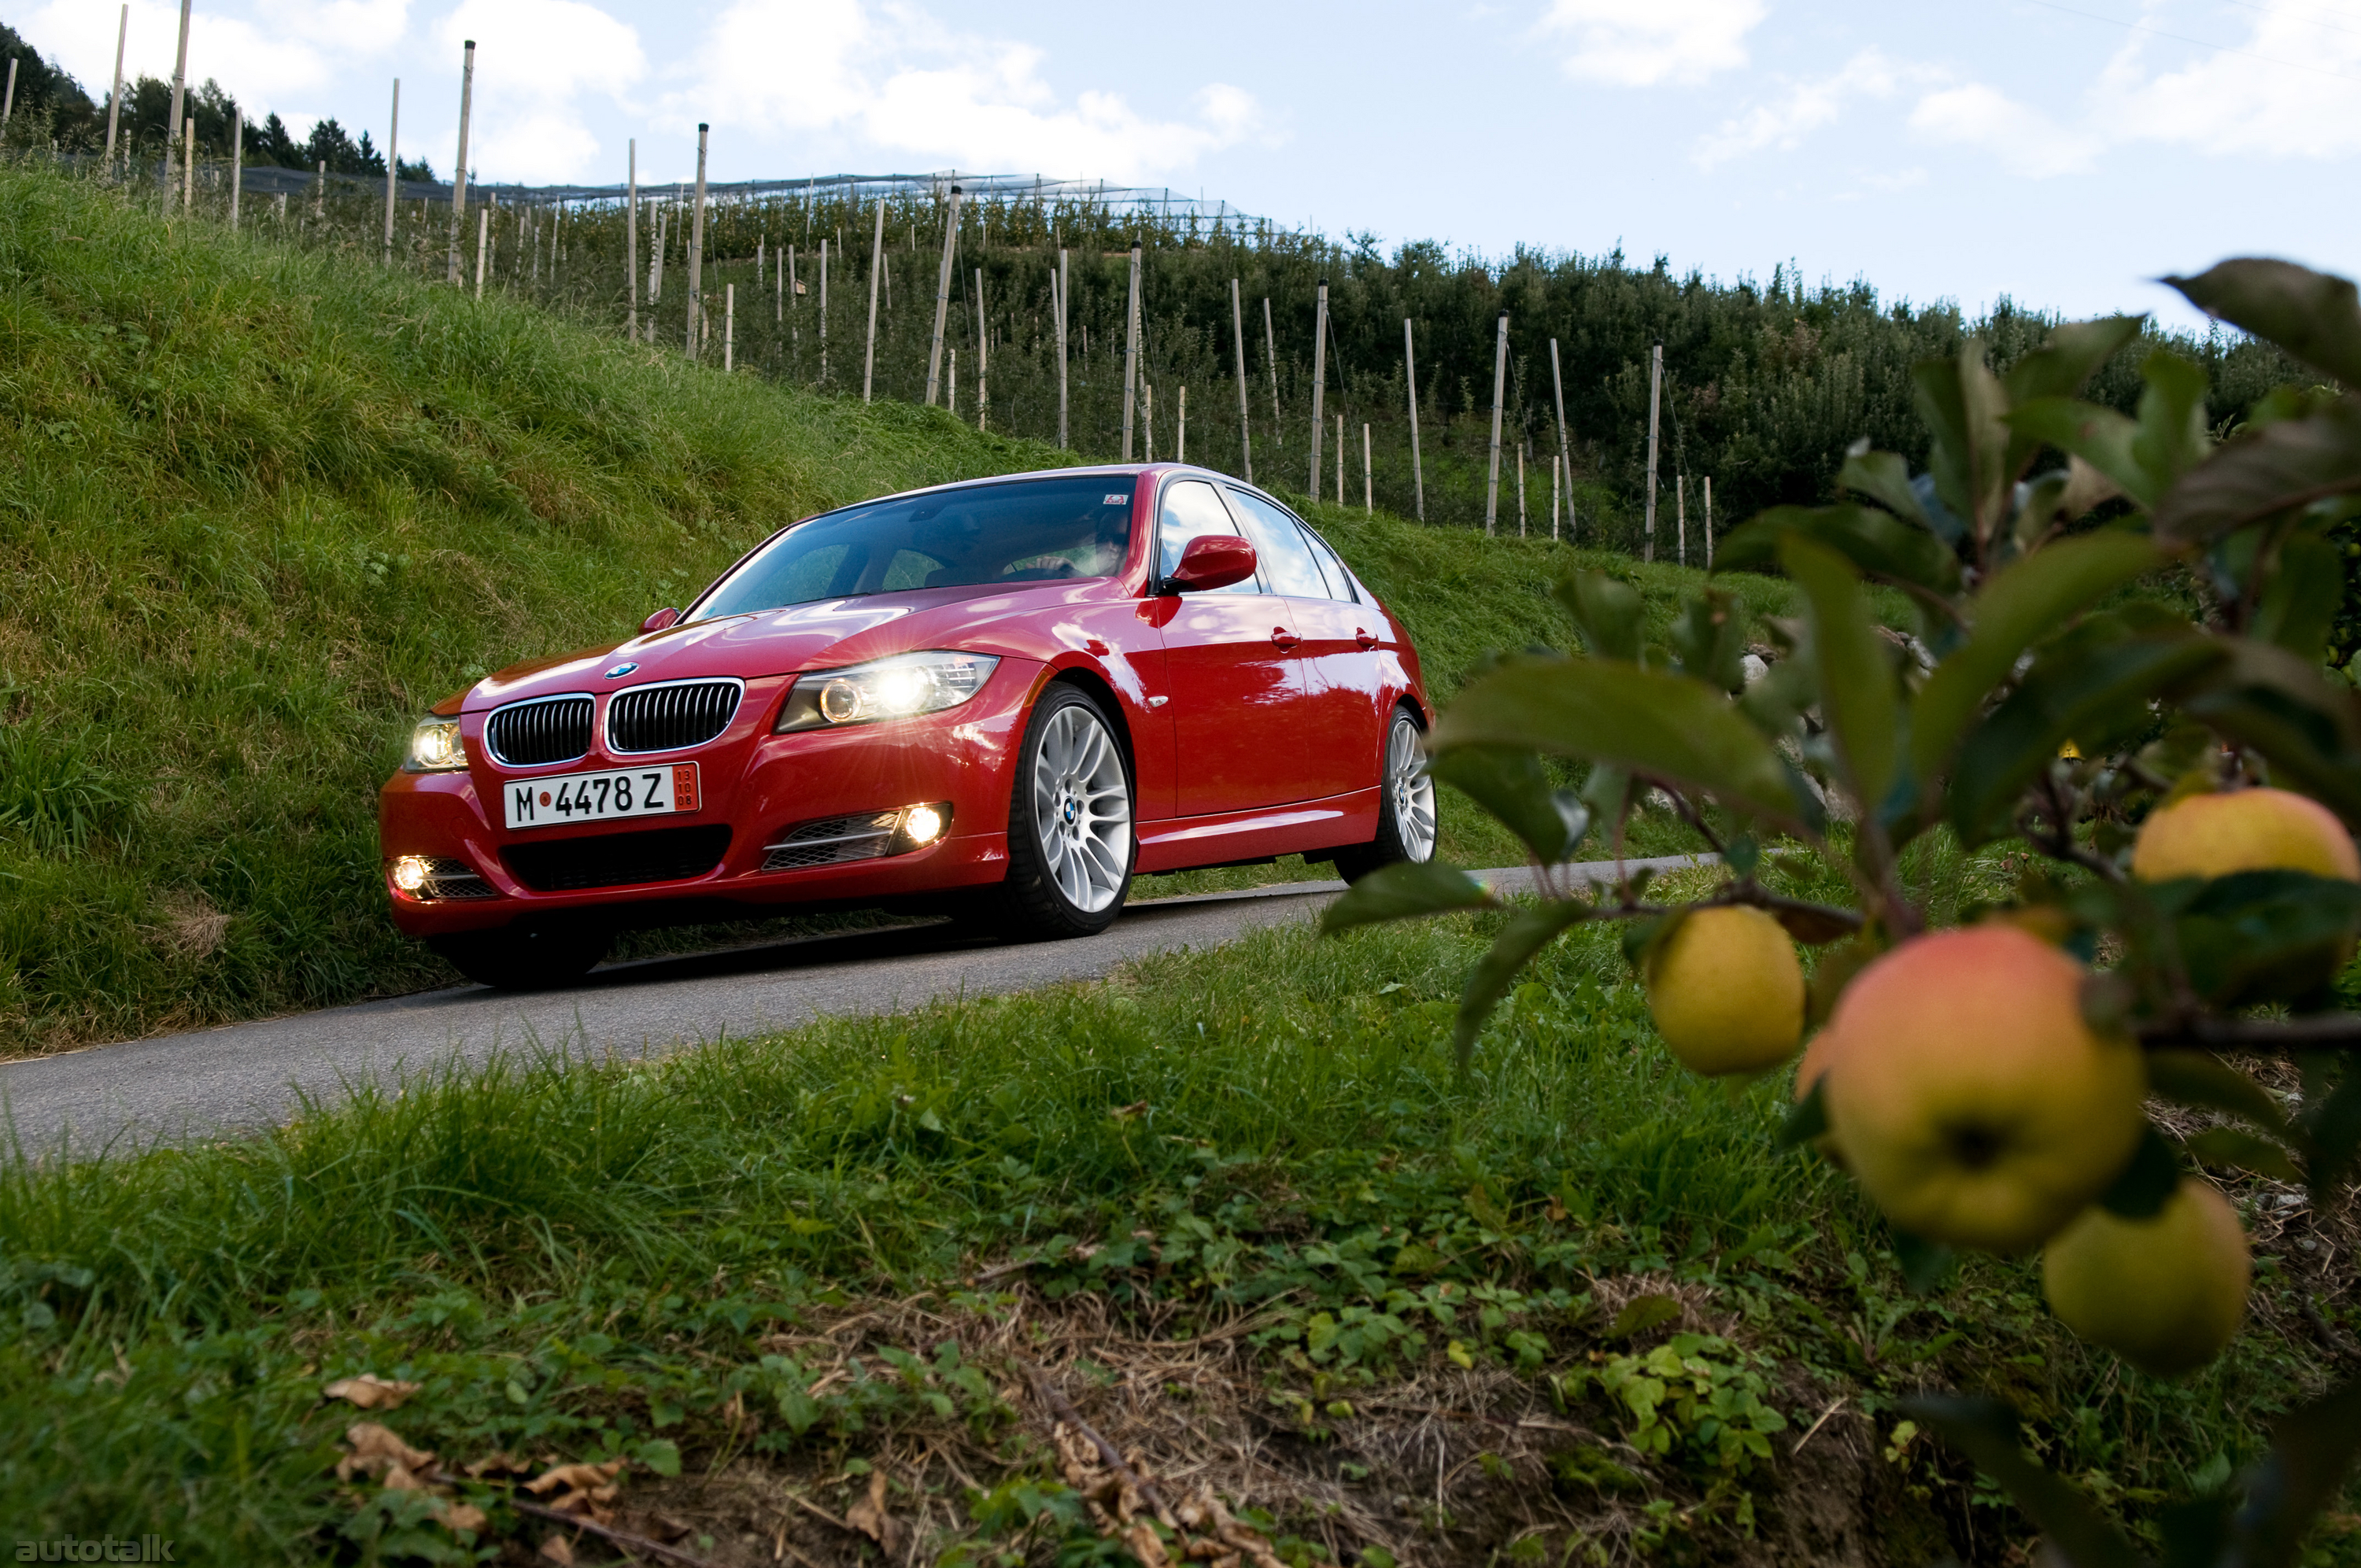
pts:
[435, 747]
[411, 872]
[899, 687]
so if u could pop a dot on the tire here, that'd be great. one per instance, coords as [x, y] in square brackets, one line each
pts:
[1406, 820]
[1070, 814]
[525, 961]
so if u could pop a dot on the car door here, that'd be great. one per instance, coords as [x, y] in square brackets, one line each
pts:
[1335, 748]
[1230, 668]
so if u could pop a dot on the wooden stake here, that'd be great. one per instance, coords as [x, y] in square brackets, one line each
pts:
[823, 308]
[1709, 523]
[876, 270]
[942, 295]
[180, 92]
[459, 173]
[1340, 460]
[1271, 358]
[1131, 354]
[1061, 286]
[697, 251]
[319, 190]
[1555, 465]
[483, 239]
[1368, 481]
[1147, 421]
[656, 268]
[1319, 382]
[728, 327]
[1499, 392]
[1564, 452]
[1238, 334]
[8, 99]
[982, 356]
[115, 97]
[950, 389]
[1521, 488]
[632, 238]
[1655, 391]
[1681, 517]
[189, 162]
[1410, 383]
[779, 286]
[393, 166]
[1181, 440]
[236, 160]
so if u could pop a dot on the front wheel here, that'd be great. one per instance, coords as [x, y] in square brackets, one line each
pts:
[1069, 821]
[1406, 823]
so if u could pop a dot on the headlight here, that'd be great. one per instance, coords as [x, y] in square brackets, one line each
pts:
[435, 748]
[899, 687]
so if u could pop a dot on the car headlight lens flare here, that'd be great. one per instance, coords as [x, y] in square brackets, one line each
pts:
[435, 747]
[411, 872]
[900, 687]
[922, 824]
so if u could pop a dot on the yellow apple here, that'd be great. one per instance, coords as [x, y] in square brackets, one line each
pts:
[2165, 1293]
[2244, 831]
[1727, 991]
[1973, 1102]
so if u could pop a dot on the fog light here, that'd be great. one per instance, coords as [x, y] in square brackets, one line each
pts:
[411, 872]
[922, 824]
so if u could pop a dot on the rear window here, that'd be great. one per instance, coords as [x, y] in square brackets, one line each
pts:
[1027, 531]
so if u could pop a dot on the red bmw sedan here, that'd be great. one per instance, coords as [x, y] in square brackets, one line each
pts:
[997, 699]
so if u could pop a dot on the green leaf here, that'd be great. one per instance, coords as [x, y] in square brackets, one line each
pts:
[2104, 439]
[1640, 1314]
[2284, 707]
[1403, 890]
[2315, 316]
[1708, 640]
[2173, 437]
[1514, 787]
[2267, 936]
[2140, 1189]
[2280, 468]
[1986, 1431]
[1645, 721]
[661, 1455]
[1526, 933]
[2024, 603]
[1607, 613]
[2075, 353]
[2237, 1149]
[2301, 1476]
[1883, 477]
[1857, 677]
[1962, 402]
[2074, 691]
[1879, 543]
[2203, 1081]
[2335, 1131]
[2299, 608]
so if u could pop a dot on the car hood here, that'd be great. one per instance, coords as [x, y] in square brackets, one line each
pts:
[820, 635]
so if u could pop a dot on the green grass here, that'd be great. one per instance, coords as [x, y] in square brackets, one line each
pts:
[586, 1260]
[259, 506]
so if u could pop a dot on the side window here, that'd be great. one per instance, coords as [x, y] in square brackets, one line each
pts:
[1287, 557]
[1340, 581]
[1190, 508]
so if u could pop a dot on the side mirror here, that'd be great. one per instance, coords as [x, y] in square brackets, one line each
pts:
[659, 621]
[1211, 561]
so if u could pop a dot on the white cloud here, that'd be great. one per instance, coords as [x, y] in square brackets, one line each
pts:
[1804, 107]
[1639, 43]
[2027, 140]
[895, 77]
[2287, 91]
[538, 62]
[296, 49]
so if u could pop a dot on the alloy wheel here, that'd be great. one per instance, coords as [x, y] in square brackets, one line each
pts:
[1082, 808]
[1413, 789]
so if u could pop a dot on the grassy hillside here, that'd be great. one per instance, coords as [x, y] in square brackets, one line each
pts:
[259, 506]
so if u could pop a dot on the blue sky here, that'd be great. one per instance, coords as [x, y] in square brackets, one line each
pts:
[2064, 152]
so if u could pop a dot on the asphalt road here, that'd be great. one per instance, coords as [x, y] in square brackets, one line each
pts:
[207, 1081]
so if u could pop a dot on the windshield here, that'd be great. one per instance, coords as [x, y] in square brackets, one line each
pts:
[1028, 531]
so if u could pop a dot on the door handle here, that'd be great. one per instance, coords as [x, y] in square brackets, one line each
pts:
[1283, 637]
[1364, 637]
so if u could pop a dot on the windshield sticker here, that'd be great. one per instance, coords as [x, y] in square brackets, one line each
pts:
[1117, 501]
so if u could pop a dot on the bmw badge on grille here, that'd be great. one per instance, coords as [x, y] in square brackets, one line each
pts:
[620, 671]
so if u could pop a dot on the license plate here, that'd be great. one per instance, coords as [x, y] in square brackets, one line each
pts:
[601, 797]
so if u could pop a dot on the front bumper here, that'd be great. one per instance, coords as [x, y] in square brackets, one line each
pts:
[758, 785]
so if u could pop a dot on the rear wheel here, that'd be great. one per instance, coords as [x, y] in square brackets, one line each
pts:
[1069, 821]
[525, 961]
[1406, 822]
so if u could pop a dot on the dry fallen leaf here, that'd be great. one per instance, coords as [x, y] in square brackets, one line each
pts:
[465, 1515]
[582, 1489]
[500, 1464]
[869, 1517]
[376, 1450]
[371, 1392]
[1143, 1543]
[556, 1550]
